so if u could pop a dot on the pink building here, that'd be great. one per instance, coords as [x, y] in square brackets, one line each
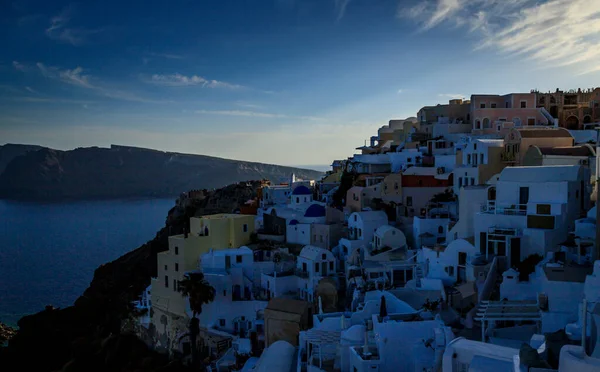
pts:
[491, 113]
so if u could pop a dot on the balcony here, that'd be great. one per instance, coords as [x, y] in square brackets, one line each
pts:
[509, 210]
[508, 157]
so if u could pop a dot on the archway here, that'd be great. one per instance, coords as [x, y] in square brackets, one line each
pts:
[491, 193]
[587, 119]
[554, 111]
[572, 122]
[486, 123]
[477, 124]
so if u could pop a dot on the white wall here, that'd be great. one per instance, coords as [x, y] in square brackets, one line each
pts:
[446, 161]
[298, 234]
[399, 159]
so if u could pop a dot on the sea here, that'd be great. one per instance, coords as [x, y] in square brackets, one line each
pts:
[49, 251]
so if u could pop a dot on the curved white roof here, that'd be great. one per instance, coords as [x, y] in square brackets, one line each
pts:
[372, 215]
[381, 230]
[355, 333]
[313, 253]
[547, 173]
[277, 357]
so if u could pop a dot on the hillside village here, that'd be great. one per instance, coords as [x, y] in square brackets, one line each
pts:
[462, 239]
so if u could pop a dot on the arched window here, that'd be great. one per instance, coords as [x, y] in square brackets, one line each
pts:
[486, 123]
[477, 124]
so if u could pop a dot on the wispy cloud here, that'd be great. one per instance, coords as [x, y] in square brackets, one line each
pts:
[248, 105]
[255, 114]
[340, 8]
[49, 100]
[554, 33]
[31, 90]
[78, 78]
[59, 29]
[166, 55]
[73, 77]
[19, 66]
[452, 95]
[179, 80]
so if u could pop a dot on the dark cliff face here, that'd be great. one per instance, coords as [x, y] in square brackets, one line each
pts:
[121, 172]
[10, 151]
[87, 336]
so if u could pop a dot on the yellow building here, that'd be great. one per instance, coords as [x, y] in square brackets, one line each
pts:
[219, 231]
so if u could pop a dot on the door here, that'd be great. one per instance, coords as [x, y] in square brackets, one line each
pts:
[227, 262]
[483, 243]
[523, 195]
[462, 274]
[324, 269]
[515, 251]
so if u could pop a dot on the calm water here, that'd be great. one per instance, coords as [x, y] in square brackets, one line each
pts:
[48, 252]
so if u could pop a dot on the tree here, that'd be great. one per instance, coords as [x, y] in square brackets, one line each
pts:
[199, 292]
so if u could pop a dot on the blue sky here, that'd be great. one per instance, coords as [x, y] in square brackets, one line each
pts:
[279, 81]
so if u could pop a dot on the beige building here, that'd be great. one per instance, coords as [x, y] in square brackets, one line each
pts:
[391, 189]
[285, 318]
[214, 232]
[479, 160]
[517, 141]
[574, 108]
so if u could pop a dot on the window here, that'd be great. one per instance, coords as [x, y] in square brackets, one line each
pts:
[354, 218]
[409, 201]
[331, 265]
[475, 146]
[523, 104]
[482, 105]
[174, 285]
[176, 250]
[395, 185]
[238, 259]
[303, 266]
[507, 104]
[480, 158]
[317, 267]
[222, 322]
[166, 268]
[224, 292]
[459, 182]
[323, 256]
[359, 233]
[297, 200]
[468, 158]
[245, 227]
[440, 229]
[166, 281]
[450, 270]
[530, 121]
[543, 209]
[176, 267]
[493, 105]
[409, 160]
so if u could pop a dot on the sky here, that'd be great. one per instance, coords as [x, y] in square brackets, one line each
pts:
[278, 81]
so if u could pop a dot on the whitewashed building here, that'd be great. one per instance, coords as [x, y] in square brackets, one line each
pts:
[235, 308]
[362, 225]
[532, 211]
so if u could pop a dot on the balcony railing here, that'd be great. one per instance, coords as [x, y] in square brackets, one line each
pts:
[508, 157]
[510, 210]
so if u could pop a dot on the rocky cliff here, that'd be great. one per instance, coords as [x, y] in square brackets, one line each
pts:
[120, 172]
[87, 336]
[10, 151]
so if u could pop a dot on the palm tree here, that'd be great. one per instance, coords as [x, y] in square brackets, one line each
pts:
[199, 292]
